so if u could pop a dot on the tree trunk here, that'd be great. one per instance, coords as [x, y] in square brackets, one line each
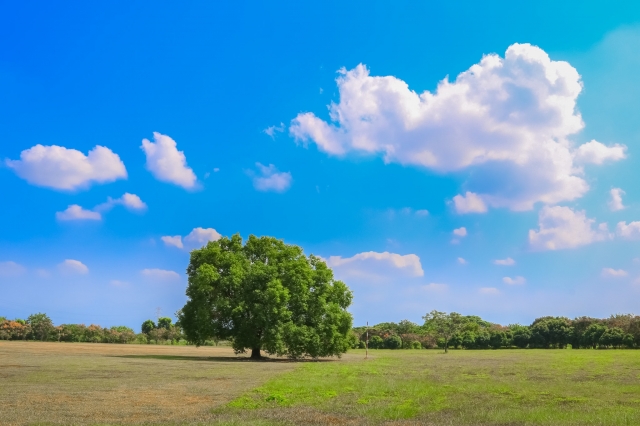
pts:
[255, 353]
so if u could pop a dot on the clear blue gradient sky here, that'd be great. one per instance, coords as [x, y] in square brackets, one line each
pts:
[485, 195]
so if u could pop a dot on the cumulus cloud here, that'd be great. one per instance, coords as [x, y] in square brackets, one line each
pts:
[615, 203]
[507, 120]
[563, 228]
[614, 273]
[514, 281]
[67, 169]
[166, 163]
[76, 212]
[630, 231]
[376, 266]
[175, 241]
[489, 290]
[460, 232]
[197, 238]
[504, 262]
[270, 179]
[160, 274]
[11, 269]
[131, 201]
[71, 266]
[469, 203]
[595, 152]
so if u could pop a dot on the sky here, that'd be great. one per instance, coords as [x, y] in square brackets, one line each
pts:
[472, 157]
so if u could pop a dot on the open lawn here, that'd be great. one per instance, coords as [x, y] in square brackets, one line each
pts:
[57, 383]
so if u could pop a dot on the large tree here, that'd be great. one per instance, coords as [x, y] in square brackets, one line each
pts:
[265, 295]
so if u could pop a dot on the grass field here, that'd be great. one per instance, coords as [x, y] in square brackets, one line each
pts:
[57, 383]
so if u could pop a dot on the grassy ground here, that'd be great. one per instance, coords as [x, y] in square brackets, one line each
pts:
[127, 384]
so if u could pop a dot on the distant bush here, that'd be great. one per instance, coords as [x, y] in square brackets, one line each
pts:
[392, 342]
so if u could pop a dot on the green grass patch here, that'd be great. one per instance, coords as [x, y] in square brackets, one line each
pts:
[537, 387]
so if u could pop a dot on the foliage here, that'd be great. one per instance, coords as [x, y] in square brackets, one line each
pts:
[376, 342]
[617, 331]
[443, 325]
[165, 323]
[392, 342]
[265, 295]
[41, 326]
[148, 326]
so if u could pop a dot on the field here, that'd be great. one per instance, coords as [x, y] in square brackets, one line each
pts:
[58, 383]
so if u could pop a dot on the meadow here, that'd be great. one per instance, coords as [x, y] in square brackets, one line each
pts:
[80, 383]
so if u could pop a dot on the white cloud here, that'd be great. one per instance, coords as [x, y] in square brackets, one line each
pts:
[11, 269]
[489, 290]
[504, 262]
[75, 212]
[563, 228]
[160, 274]
[71, 266]
[197, 238]
[175, 241]
[132, 201]
[508, 120]
[514, 281]
[422, 212]
[460, 232]
[67, 169]
[462, 261]
[630, 231]
[615, 203]
[272, 130]
[270, 179]
[435, 287]
[166, 163]
[595, 152]
[615, 273]
[469, 203]
[376, 266]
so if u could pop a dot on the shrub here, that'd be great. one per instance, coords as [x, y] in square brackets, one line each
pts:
[376, 342]
[392, 342]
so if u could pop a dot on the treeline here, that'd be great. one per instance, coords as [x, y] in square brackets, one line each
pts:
[453, 330]
[40, 327]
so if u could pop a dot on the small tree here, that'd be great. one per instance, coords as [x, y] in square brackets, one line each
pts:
[148, 326]
[41, 326]
[164, 322]
[444, 325]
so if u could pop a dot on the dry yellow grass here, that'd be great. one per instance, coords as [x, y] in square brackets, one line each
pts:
[75, 383]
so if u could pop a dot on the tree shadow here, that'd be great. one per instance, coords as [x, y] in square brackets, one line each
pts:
[220, 358]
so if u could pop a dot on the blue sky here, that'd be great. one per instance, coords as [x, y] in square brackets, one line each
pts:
[510, 191]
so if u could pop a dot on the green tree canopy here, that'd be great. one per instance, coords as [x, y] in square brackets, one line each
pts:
[444, 325]
[41, 325]
[265, 295]
[164, 322]
[148, 326]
